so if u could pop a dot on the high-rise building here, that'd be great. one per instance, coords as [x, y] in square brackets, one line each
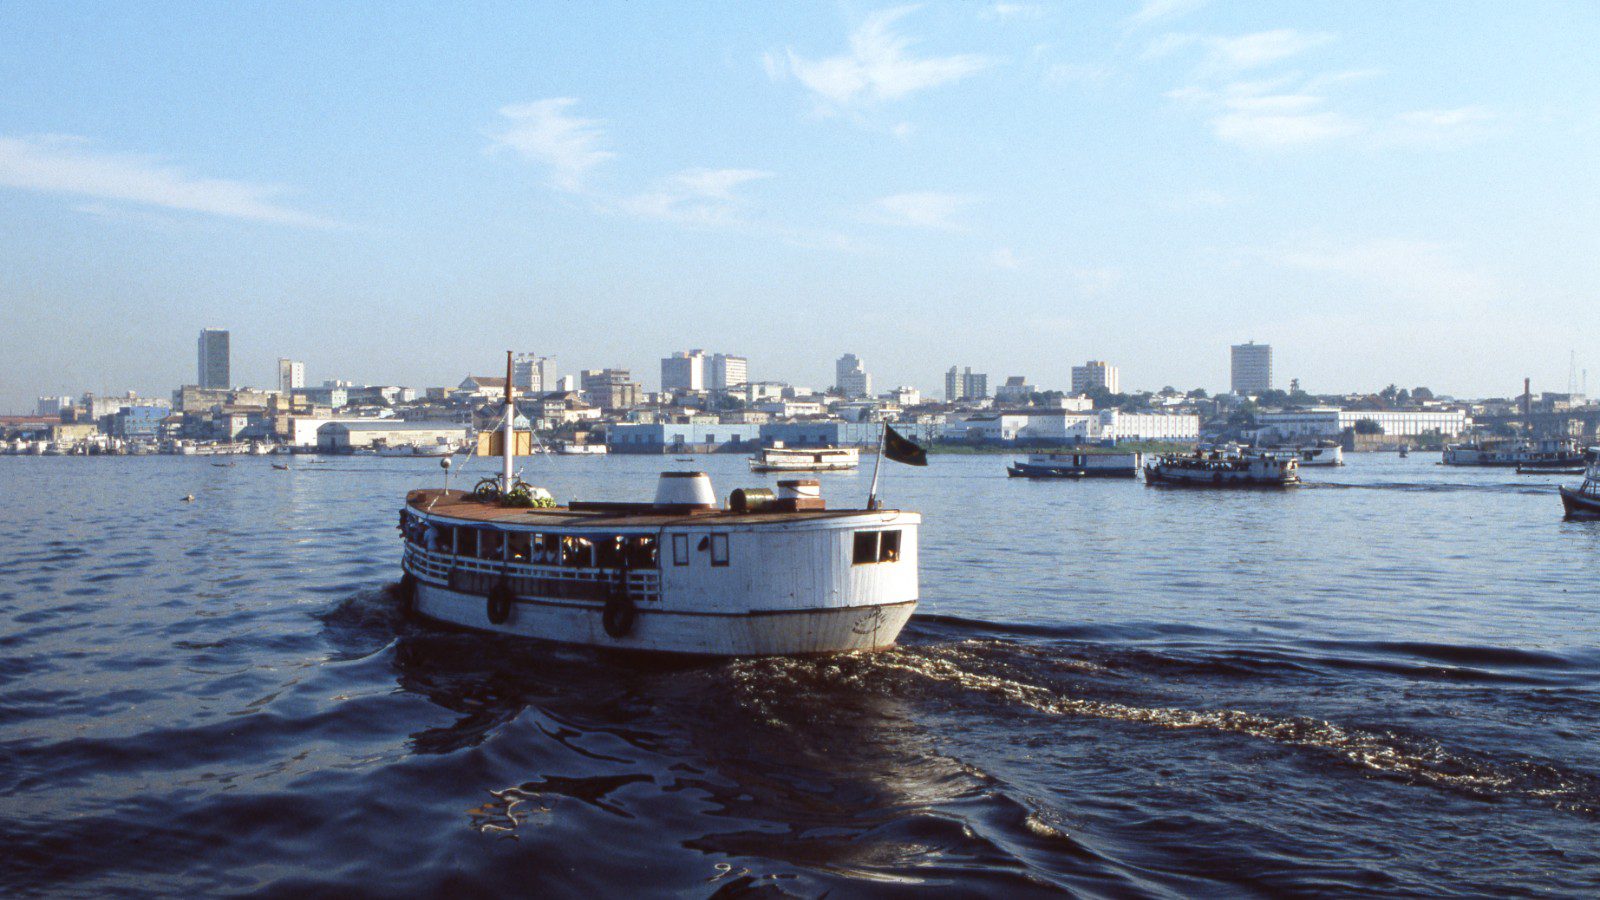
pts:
[1096, 374]
[851, 378]
[1252, 368]
[684, 371]
[610, 388]
[214, 359]
[965, 385]
[533, 374]
[727, 372]
[291, 375]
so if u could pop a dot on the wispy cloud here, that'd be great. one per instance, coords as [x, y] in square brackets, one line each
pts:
[1013, 11]
[1004, 258]
[1152, 11]
[881, 66]
[544, 132]
[700, 196]
[1424, 275]
[921, 209]
[1267, 115]
[1226, 55]
[68, 164]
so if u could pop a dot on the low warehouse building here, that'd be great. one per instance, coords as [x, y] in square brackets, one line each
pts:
[344, 437]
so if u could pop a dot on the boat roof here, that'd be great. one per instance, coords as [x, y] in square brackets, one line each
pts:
[462, 505]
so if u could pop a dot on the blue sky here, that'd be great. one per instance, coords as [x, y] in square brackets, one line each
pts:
[396, 193]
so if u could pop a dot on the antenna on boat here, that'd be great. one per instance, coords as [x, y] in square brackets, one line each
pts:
[508, 447]
[872, 493]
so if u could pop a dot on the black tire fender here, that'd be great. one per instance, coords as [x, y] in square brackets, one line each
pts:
[408, 592]
[618, 615]
[499, 605]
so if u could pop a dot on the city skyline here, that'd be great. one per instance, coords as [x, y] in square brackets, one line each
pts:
[1377, 192]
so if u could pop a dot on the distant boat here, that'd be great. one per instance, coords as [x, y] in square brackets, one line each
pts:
[1551, 470]
[280, 467]
[800, 459]
[1218, 470]
[1321, 455]
[568, 448]
[1559, 453]
[1405, 450]
[1077, 465]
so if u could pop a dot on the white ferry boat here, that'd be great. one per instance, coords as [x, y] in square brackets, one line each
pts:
[1218, 470]
[800, 459]
[766, 576]
[568, 448]
[769, 574]
[1332, 455]
[1077, 465]
[1554, 453]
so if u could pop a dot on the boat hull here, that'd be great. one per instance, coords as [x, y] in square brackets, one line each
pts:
[1579, 505]
[761, 633]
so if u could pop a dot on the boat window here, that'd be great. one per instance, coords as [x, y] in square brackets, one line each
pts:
[608, 552]
[866, 548]
[680, 549]
[641, 552]
[719, 549]
[519, 546]
[489, 544]
[889, 547]
[577, 552]
[546, 550]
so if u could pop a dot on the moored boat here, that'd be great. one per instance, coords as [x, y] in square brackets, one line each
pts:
[1077, 465]
[1320, 455]
[1218, 470]
[803, 459]
[1557, 453]
[572, 448]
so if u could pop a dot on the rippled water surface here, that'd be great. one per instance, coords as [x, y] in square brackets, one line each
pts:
[1387, 681]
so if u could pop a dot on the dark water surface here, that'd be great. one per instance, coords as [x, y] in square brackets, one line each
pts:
[1387, 682]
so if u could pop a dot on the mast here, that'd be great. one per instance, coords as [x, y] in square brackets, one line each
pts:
[509, 427]
[872, 493]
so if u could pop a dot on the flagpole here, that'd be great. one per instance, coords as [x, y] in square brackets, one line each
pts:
[872, 495]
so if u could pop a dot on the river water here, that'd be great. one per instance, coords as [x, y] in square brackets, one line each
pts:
[1384, 682]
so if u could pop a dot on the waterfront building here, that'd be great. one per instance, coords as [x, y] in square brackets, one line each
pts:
[610, 389]
[851, 377]
[344, 436]
[1331, 422]
[291, 375]
[684, 371]
[1059, 426]
[331, 397]
[532, 374]
[905, 395]
[728, 372]
[1096, 374]
[214, 360]
[1015, 390]
[1252, 368]
[965, 385]
[142, 422]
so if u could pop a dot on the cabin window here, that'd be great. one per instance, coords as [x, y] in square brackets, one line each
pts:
[866, 549]
[489, 545]
[608, 552]
[519, 547]
[577, 552]
[641, 552]
[876, 547]
[889, 547]
[680, 549]
[719, 549]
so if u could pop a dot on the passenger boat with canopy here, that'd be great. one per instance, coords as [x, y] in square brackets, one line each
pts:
[766, 574]
[1223, 470]
[779, 458]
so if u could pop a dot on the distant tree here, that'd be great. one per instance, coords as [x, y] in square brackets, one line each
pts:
[1388, 394]
[1169, 390]
[1198, 394]
[1367, 426]
[1403, 398]
[1421, 395]
[1298, 397]
[1272, 398]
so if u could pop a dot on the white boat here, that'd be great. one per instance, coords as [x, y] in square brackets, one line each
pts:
[801, 459]
[1332, 455]
[768, 575]
[417, 451]
[1555, 453]
[568, 448]
[1219, 470]
[1077, 465]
